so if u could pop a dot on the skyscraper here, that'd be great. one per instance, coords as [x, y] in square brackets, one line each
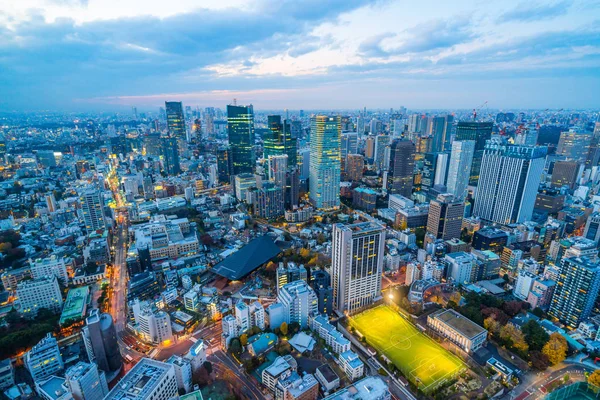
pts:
[355, 164]
[564, 173]
[86, 382]
[357, 263]
[325, 163]
[576, 290]
[92, 206]
[278, 140]
[224, 165]
[459, 170]
[170, 155]
[100, 340]
[437, 130]
[349, 145]
[445, 217]
[278, 166]
[402, 166]
[240, 128]
[480, 132]
[381, 142]
[574, 145]
[175, 120]
[510, 176]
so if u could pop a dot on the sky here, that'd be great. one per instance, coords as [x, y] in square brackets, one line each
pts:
[299, 54]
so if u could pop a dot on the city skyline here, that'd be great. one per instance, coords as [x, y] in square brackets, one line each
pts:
[90, 55]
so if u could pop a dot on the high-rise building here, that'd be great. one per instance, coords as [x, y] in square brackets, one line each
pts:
[92, 206]
[175, 120]
[357, 264]
[86, 382]
[290, 273]
[39, 293]
[592, 227]
[224, 165]
[445, 217]
[268, 201]
[299, 302]
[435, 170]
[510, 176]
[564, 173]
[170, 155]
[50, 266]
[148, 379]
[355, 164]
[576, 291]
[459, 170]
[437, 130]
[278, 140]
[480, 132]
[321, 284]
[278, 167]
[381, 143]
[325, 163]
[402, 166]
[154, 326]
[44, 359]
[100, 340]
[349, 145]
[240, 128]
[574, 145]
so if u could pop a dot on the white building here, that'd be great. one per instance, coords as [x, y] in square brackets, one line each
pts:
[523, 284]
[197, 354]
[299, 301]
[147, 380]
[460, 266]
[352, 366]
[50, 266]
[281, 368]
[242, 316]
[92, 207]
[191, 301]
[86, 382]
[371, 387]
[357, 265]
[44, 359]
[39, 293]
[458, 329]
[183, 372]
[333, 338]
[154, 326]
[459, 169]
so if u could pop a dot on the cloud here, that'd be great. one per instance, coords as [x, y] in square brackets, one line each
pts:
[527, 12]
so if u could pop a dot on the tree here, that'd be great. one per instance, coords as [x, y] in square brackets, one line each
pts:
[514, 338]
[594, 378]
[304, 253]
[208, 367]
[284, 328]
[535, 335]
[244, 339]
[455, 297]
[235, 347]
[539, 360]
[556, 348]
[491, 325]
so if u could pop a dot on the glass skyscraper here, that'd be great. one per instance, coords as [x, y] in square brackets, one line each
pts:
[170, 156]
[240, 128]
[175, 119]
[480, 132]
[402, 168]
[325, 161]
[278, 140]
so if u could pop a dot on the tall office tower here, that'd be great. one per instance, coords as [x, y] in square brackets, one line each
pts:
[437, 130]
[402, 168]
[153, 144]
[278, 167]
[564, 173]
[209, 124]
[347, 124]
[574, 145]
[510, 176]
[100, 340]
[370, 148]
[240, 128]
[381, 142]
[480, 132]
[459, 170]
[592, 227]
[435, 170]
[360, 126]
[175, 120]
[44, 359]
[325, 168]
[299, 302]
[576, 290]
[170, 155]
[355, 164]
[449, 131]
[224, 165]
[357, 264]
[414, 123]
[92, 206]
[292, 188]
[86, 382]
[278, 140]
[304, 163]
[349, 145]
[445, 217]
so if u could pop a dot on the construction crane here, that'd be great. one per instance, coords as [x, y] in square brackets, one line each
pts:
[477, 109]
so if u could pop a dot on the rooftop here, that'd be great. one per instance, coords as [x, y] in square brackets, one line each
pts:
[261, 342]
[372, 387]
[197, 395]
[327, 373]
[459, 323]
[75, 305]
[140, 380]
[247, 259]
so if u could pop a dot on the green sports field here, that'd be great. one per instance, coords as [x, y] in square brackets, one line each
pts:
[412, 352]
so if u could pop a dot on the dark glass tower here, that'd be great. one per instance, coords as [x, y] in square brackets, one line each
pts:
[240, 128]
[480, 132]
[170, 156]
[402, 166]
[278, 140]
[175, 119]
[224, 164]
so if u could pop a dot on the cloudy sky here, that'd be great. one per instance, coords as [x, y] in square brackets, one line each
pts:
[111, 54]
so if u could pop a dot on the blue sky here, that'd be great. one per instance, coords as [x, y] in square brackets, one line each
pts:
[110, 54]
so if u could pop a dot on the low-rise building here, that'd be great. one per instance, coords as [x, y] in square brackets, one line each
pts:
[460, 330]
[333, 338]
[44, 359]
[148, 379]
[371, 388]
[327, 378]
[352, 366]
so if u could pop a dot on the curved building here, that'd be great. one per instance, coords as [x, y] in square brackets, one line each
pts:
[100, 338]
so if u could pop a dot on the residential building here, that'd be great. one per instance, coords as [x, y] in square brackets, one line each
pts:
[44, 359]
[357, 265]
[523, 284]
[364, 199]
[7, 374]
[183, 372]
[355, 165]
[461, 267]
[541, 293]
[510, 176]
[148, 379]
[39, 293]
[92, 207]
[333, 338]
[325, 162]
[299, 301]
[50, 266]
[290, 273]
[352, 366]
[564, 173]
[382, 142]
[86, 382]
[460, 330]
[321, 284]
[327, 378]
[280, 368]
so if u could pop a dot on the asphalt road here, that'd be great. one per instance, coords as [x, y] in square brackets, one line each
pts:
[532, 384]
